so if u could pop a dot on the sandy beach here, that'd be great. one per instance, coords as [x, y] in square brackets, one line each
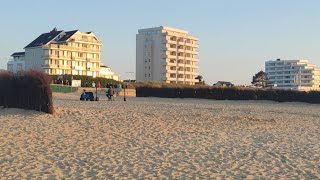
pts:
[150, 138]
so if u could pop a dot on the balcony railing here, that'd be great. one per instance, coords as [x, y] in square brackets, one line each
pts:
[64, 47]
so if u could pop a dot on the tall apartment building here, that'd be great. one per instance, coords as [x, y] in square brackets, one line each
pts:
[64, 52]
[293, 74]
[166, 54]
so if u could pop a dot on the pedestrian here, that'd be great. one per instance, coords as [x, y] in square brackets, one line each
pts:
[93, 84]
[110, 93]
[83, 95]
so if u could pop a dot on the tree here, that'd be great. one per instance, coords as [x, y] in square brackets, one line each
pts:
[260, 79]
[200, 79]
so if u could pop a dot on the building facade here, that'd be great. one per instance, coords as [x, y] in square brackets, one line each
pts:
[17, 64]
[106, 72]
[166, 54]
[64, 52]
[293, 74]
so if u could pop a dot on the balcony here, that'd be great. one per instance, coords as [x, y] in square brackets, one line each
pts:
[171, 78]
[180, 50]
[181, 57]
[171, 49]
[188, 72]
[192, 45]
[180, 64]
[168, 70]
[169, 56]
[171, 41]
[168, 63]
[181, 71]
[195, 59]
[65, 47]
[195, 73]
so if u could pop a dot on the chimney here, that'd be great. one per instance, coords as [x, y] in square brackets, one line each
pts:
[54, 29]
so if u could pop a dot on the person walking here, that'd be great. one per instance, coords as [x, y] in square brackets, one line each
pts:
[110, 93]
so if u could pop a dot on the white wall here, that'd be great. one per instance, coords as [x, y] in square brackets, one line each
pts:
[33, 58]
[140, 70]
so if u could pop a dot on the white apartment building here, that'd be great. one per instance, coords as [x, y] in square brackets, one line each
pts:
[166, 54]
[17, 64]
[106, 72]
[64, 52]
[293, 74]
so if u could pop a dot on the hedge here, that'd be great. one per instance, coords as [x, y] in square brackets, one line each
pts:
[233, 93]
[85, 79]
[30, 90]
[63, 89]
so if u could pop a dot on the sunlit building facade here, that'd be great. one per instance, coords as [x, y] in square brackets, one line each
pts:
[166, 54]
[293, 74]
[65, 52]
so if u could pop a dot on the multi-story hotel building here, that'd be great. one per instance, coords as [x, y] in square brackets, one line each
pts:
[64, 52]
[166, 54]
[293, 74]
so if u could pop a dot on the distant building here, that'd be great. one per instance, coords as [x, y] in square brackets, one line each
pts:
[293, 74]
[106, 72]
[64, 52]
[223, 84]
[166, 54]
[17, 64]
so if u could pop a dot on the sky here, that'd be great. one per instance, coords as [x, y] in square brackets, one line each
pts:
[236, 37]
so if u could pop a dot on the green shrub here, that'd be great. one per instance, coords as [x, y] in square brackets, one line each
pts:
[85, 79]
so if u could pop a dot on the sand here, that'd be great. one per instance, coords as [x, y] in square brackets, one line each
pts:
[154, 138]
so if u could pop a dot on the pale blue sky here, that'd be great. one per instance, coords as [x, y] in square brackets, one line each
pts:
[236, 37]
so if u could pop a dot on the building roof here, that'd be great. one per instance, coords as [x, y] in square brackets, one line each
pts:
[67, 35]
[44, 38]
[52, 35]
[18, 54]
[224, 82]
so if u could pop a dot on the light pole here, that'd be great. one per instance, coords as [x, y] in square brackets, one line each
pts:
[124, 93]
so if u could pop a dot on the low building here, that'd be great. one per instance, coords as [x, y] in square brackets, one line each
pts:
[293, 74]
[17, 64]
[223, 84]
[106, 72]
